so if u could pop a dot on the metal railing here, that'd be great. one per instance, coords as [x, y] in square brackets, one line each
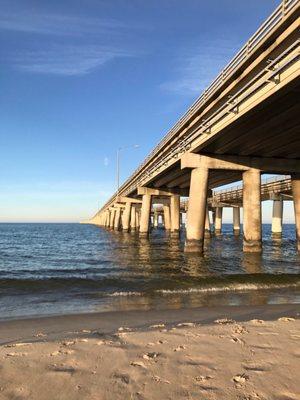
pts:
[275, 184]
[252, 44]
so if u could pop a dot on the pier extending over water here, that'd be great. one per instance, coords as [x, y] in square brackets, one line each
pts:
[244, 125]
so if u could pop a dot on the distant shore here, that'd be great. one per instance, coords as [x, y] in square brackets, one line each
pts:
[248, 352]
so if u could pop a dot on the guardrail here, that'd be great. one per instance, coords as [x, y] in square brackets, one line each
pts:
[275, 184]
[252, 44]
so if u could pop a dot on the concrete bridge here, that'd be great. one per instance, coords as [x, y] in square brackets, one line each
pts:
[245, 124]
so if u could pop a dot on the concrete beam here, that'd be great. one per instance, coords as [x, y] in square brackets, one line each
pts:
[124, 199]
[118, 205]
[158, 200]
[142, 190]
[242, 163]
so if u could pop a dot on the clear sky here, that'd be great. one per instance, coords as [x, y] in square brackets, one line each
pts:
[81, 78]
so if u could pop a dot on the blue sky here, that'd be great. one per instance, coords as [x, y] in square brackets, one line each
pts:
[79, 79]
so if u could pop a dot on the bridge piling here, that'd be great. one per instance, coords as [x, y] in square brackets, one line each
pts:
[296, 197]
[133, 219]
[207, 228]
[252, 211]
[236, 220]
[112, 218]
[145, 215]
[175, 214]
[126, 217]
[218, 220]
[197, 210]
[117, 219]
[277, 218]
[137, 217]
[167, 217]
[155, 219]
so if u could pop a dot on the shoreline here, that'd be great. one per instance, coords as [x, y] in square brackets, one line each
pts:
[57, 327]
[245, 353]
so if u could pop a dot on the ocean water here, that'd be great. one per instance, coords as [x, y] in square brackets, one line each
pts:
[48, 269]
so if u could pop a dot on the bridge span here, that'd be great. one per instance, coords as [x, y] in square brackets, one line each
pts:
[245, 124]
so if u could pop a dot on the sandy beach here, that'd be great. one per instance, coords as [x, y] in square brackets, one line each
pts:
[223, 353]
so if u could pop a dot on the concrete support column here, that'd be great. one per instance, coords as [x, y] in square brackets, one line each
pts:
[252, 211]
[117, 219]
[296, 198]
[167, 216]
[106, 222]
[145, 215]
[137, 217]
[236, 220]
[155, 219]
[133, 219]
[218, 220]
[175, 213]
[207, 232]
[197, 210]
[277, 218]
[126, 217]
[112, 218]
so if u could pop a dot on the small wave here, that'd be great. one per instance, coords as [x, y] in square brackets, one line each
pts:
[121, 294]
[229, 288]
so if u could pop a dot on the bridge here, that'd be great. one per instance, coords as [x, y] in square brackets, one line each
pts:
[245, 124]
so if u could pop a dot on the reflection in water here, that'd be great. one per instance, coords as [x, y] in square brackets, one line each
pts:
[54, 268]
[252, 263]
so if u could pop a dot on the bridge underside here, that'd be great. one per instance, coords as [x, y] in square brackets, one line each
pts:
[269, 130]
[247, 123]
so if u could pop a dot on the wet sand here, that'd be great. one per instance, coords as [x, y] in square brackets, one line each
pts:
[216, 353]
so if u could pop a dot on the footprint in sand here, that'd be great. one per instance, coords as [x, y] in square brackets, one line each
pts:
[138, 364]
[240, 378]
[257, 367]
[157, 326]
[286, 319]
[160, 380]
[265, 347]
[150, 356]
[203, 378]
[186, 324]
[61, 352]
[16, 354]
[199, 362]
[62, 368]
[124, 378]
[68, 343]
[17, 344]
[257, 321]
[224, 321]
[238, 340]
[180, 348]
[239, 330]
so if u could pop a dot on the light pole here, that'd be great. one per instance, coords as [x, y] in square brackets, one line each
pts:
[134, 146]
